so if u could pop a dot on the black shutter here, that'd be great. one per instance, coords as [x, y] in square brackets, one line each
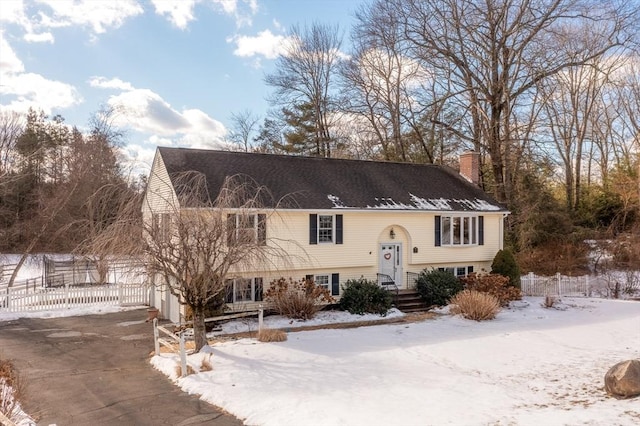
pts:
[309, 278]
[228, 296]
[469, 269]
[257, 294]
[231, 229]
[437, 230]
[481, 230]
[338, 229]
[335, 284]
[262, 230]
[313, 229]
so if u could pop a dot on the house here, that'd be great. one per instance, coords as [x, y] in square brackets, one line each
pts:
[384, 221]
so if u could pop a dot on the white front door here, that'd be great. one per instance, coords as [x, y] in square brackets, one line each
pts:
[391, 261]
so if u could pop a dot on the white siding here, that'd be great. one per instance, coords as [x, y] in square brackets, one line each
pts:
[159, 196]
[363, 234]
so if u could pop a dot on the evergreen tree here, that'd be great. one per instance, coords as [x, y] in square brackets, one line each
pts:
[504, 263]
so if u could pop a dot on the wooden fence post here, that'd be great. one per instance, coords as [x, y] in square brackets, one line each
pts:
[183, 357]
[156, 343]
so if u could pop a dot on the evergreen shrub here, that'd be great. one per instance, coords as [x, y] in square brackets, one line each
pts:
[436, 287]
[504, 263]
[364, 296]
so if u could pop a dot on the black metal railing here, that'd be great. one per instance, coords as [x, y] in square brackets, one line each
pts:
[412, 278]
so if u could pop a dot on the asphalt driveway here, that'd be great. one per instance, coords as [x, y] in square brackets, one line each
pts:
[94, 370]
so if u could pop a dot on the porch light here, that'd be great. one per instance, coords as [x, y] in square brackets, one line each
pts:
[392, 234]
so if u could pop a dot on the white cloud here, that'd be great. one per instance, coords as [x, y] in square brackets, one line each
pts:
[97, 14]
[265, 43]
[34, 90]
[12, 11]
[242, 11]
[228, 6]
[113, 83]
[139, 157]
[9, 61]
[179, 12]
[146, 112]
[29, 89]
[45, 37]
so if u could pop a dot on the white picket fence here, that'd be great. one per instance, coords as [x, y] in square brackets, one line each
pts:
[557, 285]
[44, 299]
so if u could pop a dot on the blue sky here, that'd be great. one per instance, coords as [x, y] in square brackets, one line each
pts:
[176, 69]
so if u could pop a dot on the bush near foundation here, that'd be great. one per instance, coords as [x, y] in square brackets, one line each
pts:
[504, 263]
[297, 299]
[364, 296]
[436, 287]
[475, 305]
[494, 284]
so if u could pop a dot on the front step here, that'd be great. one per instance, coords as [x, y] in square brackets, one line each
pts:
[410, 301]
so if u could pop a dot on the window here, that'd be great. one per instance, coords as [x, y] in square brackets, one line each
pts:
[459, 271]
[246, 229]
[329, 281]
[459, 230]
[244, 290]
[323, 281]
[325, 229]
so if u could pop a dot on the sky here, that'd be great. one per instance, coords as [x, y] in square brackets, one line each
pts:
[531, 365]
[175, 70]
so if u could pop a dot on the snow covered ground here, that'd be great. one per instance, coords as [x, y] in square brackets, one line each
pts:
[530, 366]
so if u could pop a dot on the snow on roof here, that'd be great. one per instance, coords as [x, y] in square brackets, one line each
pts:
[418, 203]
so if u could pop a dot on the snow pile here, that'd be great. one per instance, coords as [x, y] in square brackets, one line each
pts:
[532, 365]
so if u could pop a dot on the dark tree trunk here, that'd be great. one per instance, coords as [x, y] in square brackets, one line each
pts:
[199, 330]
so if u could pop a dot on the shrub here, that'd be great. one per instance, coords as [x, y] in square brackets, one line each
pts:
[437, 287]
[504, 263]
[11, 390]
[205, 364]
[493, 284]
[475, 305]
[297, 300]
[363, 296]
[271, 335]
[549, 301]
[178, 370]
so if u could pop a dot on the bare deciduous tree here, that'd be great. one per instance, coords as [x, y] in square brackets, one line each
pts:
[494, 52]
[243, 126]
[305, 76]
[11, 127]
[197, 244]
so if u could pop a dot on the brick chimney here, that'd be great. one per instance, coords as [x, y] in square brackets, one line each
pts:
[470, 166]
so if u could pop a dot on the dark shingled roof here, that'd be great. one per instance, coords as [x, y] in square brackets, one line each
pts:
[321, 183]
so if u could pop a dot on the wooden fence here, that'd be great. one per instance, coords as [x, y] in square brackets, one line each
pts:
[557, 285]
[20, 300]
[164, 337]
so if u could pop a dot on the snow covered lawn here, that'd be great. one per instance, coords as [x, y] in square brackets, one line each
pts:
[530, 366]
